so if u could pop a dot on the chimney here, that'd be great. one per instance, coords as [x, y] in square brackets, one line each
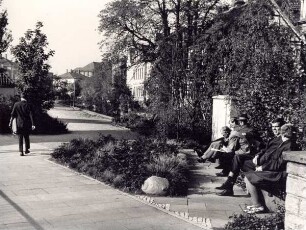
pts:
[66, 70]
[303, 10]
[302, 20]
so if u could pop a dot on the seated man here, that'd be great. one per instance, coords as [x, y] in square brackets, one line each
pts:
[240, 142]
[247, 162]
[270, 172]
[216, 145]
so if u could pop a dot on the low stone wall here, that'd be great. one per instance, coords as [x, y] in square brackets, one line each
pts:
[295, 203]
[272, 202]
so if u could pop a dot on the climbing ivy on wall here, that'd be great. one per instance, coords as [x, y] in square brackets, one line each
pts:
[255, 59]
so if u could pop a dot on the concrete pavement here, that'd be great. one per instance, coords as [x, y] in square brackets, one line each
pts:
[202, 201]
[36, 193]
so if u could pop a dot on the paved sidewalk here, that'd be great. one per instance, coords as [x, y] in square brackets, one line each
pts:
[38, 194]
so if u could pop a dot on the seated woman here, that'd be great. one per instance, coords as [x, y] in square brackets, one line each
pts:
[270, 171]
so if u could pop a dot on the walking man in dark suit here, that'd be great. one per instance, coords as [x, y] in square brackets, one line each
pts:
[24, 120]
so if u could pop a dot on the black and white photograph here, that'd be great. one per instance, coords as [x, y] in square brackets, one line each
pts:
[152, 114]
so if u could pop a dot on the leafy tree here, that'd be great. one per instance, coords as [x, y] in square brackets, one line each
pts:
[121, 95]
[96, 90]
[162, 32]
[74, 89]
[5, 104]
[60, 88]
[199, 50]
[5, 35]
[251, 57]
[33, 78]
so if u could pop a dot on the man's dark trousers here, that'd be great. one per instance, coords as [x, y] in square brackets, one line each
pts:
[24, 134]
[243, 162]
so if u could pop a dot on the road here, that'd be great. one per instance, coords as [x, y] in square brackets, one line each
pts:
[80, 124]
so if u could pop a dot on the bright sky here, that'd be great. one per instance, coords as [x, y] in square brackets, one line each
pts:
[71, 27]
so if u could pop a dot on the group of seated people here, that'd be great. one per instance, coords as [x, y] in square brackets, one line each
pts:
[241, 149]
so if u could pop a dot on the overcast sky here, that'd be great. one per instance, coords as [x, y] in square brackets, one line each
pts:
[70, 25]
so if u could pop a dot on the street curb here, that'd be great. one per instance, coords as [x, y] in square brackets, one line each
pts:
[202, 222]
[96, 114]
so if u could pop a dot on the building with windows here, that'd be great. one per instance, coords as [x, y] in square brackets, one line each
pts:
[88, 70]
[72, 77]
[8, 72]
[137, 74]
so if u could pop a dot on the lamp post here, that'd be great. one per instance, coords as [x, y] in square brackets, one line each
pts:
[73, 93]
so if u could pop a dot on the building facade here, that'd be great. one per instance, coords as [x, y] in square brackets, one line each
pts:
[8, 73]
[88, 70]
[137, 74]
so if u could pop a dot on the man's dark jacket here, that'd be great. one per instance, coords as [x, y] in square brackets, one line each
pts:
[22, 112]
[273, 167]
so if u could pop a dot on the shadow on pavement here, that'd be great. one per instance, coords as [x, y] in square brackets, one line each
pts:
[21, 211]
[9, 139]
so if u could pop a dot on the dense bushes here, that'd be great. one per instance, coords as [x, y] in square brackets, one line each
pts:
[125, 164]
[154, 126]
[140, 124]
[5, 113]
[43, 122]
[48, 125]
[251, 221]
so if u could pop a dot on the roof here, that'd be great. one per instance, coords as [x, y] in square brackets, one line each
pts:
[72, 75]
[229, 16]
[287, 21]
[5, 62]
[90, 67]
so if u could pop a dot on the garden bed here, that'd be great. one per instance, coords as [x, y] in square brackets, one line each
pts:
[126, 164]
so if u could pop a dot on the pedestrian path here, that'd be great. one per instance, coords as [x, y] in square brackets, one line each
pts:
[202, 203]
[36, 193]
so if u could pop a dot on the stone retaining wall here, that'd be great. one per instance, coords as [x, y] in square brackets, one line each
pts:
[295, 203]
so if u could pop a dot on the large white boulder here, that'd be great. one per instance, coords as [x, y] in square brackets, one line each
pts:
[155, 185]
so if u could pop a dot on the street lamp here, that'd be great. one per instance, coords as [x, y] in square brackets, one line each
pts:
[73, 93]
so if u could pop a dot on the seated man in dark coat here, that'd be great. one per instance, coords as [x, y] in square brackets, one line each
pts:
[247, 162]
[270, 172]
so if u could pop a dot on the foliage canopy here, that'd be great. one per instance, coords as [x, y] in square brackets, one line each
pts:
[33, 78]
[200, 49]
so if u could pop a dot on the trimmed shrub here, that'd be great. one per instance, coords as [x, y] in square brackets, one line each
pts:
[5, 113]
[140, 124]
[48, 125]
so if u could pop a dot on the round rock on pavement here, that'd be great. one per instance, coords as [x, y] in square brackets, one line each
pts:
[155, 186]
